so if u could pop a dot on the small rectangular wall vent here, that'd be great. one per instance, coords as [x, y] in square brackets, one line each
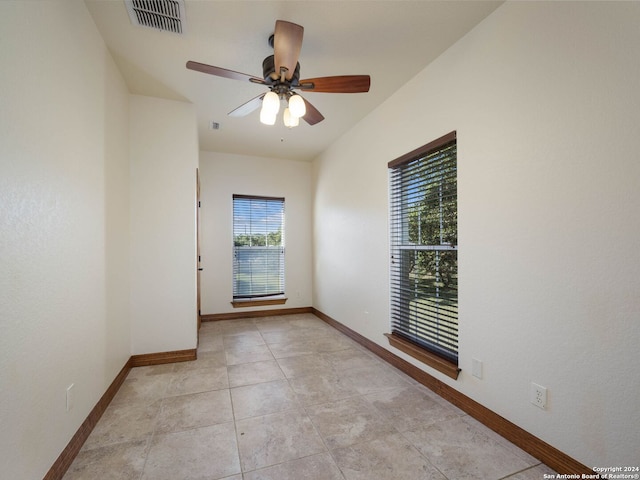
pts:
[167, 15]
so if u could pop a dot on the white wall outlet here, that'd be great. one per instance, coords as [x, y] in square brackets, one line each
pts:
[70, 395]
[476, 368]
[538, 395]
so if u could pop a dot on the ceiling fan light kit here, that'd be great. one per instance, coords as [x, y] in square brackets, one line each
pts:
[281, 73]
[292, 113]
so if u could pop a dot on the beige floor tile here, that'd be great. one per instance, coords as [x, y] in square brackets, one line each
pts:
[196, 381]
[287, 336]
[142, 388]
[499, 439]
[298, 334]
[235, 327]
[272, 324]
[316, 467]
[386, 458]
[262, 399]
[119, 461]
[351, 358]
[247, 354]
[125, 422]
[308, 320]
[309, 346]
[462, 451]
[314, 389]
[303, 365]
[349, 421]
[276, 438]
[205, 453]
[151, 370]
[204, 360]
[373, 379]
[211, 328]
[243, 339]
[408, 407]
[256, 372]
[195, 410]
[534, 473]
[210, 343]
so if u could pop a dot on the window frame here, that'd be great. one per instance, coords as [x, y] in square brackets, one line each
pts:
[254, 297]
[403, 315]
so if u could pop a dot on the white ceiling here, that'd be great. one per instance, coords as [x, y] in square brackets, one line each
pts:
[390, 40]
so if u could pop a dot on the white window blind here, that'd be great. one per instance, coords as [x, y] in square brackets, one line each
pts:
[258, 246]
[424, 247]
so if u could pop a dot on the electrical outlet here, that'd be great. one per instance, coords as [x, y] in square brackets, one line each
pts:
[70, 395]
[538, 395]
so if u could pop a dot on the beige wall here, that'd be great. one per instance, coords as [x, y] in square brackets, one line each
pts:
[164, 158]
[98, 227]
[64, 222]
[222, 175]
[544, 98]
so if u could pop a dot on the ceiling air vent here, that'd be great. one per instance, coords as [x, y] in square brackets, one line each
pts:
[167, 15]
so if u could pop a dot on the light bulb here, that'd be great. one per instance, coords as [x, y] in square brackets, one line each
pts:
[271, 103]
[266, 117]
[297, 106]
[289, 120]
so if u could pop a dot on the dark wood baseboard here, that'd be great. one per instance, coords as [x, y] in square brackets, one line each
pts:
[549, 455]
[163, 357]
[64, 461]
[215, 317]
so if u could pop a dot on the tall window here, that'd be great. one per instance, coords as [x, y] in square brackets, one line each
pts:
[258, 247]
[424, 248]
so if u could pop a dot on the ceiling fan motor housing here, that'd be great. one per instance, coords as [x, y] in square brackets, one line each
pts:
[271, 77]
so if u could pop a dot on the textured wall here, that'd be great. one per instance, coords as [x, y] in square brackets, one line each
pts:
[64, 228]
[544, 98]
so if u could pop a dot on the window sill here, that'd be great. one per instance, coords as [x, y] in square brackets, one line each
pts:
[434, 361]
[259, 302]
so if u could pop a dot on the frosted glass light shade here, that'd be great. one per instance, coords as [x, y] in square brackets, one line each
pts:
[271, 103]
[267, 118]
[297, 106]
[289, 120]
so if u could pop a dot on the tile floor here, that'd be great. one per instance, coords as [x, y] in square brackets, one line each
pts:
[288, 398]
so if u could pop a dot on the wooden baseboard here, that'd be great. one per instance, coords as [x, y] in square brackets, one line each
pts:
[64, 461]
[163, 357]
[215, 317]
[549, 455]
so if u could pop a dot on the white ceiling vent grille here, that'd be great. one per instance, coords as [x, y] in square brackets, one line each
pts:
[167, 15]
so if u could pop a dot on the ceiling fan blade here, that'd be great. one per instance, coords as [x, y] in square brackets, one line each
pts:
[248, 107]
[222, 72]
[287, 42]
[312, 116]
[337, 84]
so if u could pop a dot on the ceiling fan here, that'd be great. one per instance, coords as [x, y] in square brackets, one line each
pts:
[281, 73]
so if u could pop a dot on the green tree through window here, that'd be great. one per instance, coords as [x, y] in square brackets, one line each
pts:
[424, 244]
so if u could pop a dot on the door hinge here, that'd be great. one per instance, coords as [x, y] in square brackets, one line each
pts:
[199, 204]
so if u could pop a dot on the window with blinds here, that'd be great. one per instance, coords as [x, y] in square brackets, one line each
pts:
[258, 247]
[424, 247]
